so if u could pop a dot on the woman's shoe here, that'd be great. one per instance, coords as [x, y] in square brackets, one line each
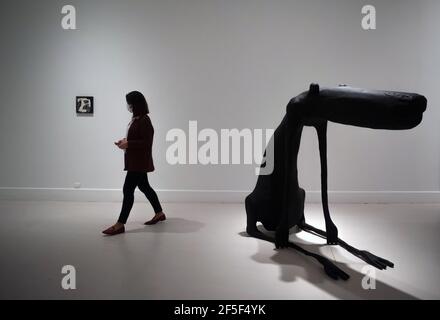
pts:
[156, 219]
[112, 231]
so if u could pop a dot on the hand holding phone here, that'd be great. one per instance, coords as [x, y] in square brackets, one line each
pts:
[120, 141]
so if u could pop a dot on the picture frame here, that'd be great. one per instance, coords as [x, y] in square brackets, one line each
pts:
[84, 105]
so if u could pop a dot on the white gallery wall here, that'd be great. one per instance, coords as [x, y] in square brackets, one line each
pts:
[225, 64]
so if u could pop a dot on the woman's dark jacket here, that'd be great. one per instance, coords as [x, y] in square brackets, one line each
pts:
[138, 155]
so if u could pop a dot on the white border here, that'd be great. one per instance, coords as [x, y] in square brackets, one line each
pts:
[215, 196]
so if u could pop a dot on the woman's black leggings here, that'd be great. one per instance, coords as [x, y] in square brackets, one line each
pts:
[135, 179]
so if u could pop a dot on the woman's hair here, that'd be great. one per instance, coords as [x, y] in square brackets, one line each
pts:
[139, 103]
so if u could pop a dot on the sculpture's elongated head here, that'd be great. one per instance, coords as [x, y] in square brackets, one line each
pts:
[363, 108]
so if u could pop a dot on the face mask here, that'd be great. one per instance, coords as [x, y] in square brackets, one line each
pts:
[130, 108]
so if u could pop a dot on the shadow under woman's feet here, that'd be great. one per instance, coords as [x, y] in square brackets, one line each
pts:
[171, 225]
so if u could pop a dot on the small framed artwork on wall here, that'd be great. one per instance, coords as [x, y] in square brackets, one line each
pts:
[84, 105]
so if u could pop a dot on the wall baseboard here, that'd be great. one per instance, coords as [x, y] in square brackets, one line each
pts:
[216, 196]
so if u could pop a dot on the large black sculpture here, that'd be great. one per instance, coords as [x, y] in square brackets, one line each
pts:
[278, 201]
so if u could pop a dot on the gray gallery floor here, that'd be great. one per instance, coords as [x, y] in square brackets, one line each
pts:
[201, 252]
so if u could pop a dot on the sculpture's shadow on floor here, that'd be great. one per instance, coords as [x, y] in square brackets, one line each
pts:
[295, 265]
[171, 225]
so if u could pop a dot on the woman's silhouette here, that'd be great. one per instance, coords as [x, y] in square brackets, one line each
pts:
[138, 161]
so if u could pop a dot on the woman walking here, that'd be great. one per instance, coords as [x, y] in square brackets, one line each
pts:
[138, 161]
